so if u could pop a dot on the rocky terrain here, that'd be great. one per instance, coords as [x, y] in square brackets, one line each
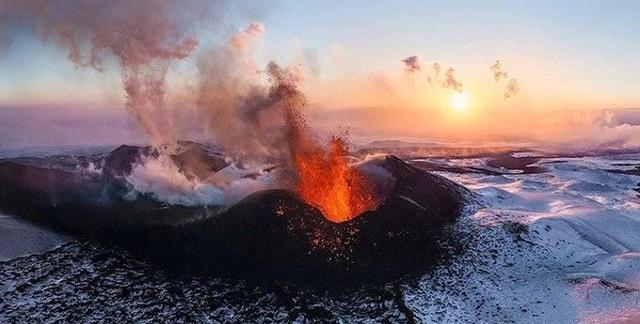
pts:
[267, 232]
[557, 244]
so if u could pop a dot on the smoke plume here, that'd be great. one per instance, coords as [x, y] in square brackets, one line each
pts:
[268, 125]
[412, 64]
[250, 121]
[241, 114]
[511, 89]
[253, 122]
[500, 74]
[436, 68]
[242, 40]
[450, 80]
[446, 80]
[144, 36]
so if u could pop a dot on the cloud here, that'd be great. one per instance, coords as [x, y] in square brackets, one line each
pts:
[242, 40]
[144, 37]
[512, 87]
[498, 73]
[160, 178]
[450, 80]
[446, 80]
[412, 64]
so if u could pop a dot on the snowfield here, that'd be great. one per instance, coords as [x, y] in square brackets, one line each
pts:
[562, 245]
[19, 238]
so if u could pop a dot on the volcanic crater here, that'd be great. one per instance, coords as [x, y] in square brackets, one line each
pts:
[267, 233]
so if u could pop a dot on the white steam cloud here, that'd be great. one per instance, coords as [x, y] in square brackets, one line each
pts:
[160, 178]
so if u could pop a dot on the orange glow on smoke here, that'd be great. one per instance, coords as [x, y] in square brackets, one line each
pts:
[327, 182]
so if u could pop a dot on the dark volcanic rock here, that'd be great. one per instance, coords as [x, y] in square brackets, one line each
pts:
[281, 232]
[434, 166]
[192, 158]
[509, 162]
[635, 171]
[196, 160]
[23, 186]
[121, 160]
[270, 231]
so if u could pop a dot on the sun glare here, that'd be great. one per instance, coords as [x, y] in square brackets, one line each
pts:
[460, 101]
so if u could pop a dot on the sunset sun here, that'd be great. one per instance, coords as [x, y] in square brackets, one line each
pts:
[459, 101]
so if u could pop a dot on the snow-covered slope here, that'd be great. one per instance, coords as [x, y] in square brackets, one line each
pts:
[20, 238]
[562, 245]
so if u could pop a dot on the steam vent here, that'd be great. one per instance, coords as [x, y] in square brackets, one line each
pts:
[269, 232]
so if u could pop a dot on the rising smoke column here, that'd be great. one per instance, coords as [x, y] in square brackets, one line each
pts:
[266, 124]
[450, 80]
[436, 68]
[446, 80]
[412, 64]
[240, 114]
[512, 87]
[320, 174]
[243, 39]
[498, 73]
[246, 118]
[144, 36]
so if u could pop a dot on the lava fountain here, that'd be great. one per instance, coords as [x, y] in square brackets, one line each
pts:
[323, 177]
[327, 182]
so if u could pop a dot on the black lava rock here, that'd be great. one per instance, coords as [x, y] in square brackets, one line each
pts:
[276, 231]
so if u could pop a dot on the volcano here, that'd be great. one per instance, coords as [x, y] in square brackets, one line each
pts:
[272, 232]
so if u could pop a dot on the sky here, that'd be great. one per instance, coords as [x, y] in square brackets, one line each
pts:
[581, 53]
[564, 54]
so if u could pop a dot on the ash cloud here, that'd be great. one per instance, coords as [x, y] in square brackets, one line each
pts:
[412, 64]
[144, 37]
[250, 121]
[241, 114]
[447, 79]
[512, 87]
[246, 118]
[243, 39]
[498, 73]
[450, 80]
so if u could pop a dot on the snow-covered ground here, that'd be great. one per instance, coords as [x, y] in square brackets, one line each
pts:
[19, 238]
[558, 246]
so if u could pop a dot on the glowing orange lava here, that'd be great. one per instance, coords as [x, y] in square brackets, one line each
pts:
[327, 182]
[324, 178]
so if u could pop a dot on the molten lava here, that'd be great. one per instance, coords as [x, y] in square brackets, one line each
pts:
[324, 178]
[327, 182]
